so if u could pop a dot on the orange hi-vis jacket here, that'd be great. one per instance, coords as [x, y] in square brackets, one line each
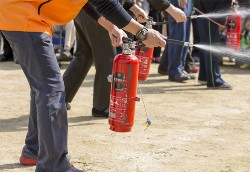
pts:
[37, 15]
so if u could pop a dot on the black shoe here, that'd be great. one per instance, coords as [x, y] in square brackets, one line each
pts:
[65, 56]
[68, 106]
[4, 58]
[224, 86]
[162, 72]
[182, 77]
[100, 113]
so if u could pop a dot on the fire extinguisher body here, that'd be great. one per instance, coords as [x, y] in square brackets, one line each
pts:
[144, 55]
[234, 31]
[123, 92]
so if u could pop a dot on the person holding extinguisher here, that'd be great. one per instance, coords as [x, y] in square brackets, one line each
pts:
[102, 53]
[210, 74]
[94, 46]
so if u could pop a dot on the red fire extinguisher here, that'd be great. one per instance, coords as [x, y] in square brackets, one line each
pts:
[145, 56]
[234, 30]
[123, 90]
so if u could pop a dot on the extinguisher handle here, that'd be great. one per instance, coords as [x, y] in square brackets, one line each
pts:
[126, 40]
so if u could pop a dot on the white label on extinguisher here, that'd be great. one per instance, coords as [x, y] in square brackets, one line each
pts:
[118, 102]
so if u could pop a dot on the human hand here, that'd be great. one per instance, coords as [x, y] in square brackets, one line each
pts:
[176, 13]
[116, 36]
[139, 13]
[115, 33]
[182, 3]
[154, 39]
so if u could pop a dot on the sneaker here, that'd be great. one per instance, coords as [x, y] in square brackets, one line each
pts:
[190, 75]
[65, 56]
[179, 78]
[195, 69]
[224, 86]
[100, 113]
[74, 169]
[202, 82]
[156, 59]
[28, 157]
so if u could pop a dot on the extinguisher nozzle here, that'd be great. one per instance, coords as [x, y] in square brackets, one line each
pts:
[193, 16]
[188, 44]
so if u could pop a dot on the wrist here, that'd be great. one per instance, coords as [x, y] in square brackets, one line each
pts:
[170, 9]
[105, 23]
[142, 34]
[134, 9]
[133, 27]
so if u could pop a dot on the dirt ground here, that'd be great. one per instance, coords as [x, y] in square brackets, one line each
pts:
[193, 129]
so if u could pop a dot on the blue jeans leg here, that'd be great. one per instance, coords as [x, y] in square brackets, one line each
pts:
[177, 53]
[209, 61]
[48, 112]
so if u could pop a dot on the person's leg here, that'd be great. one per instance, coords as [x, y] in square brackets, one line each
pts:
[209, 35]
[80, 65]
[103, 53]
[39, 64]
[176, 52]
[70, 35]
[196, 40]
[157, 18]
[30, 150]
[6, 51]
[186, 30]
[163, 66]
[32, 136]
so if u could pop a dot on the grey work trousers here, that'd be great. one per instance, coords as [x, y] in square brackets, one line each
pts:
[93, 45]
[48, 126]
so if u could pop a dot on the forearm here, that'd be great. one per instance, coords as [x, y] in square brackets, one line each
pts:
[113, 11]
[91, 11]
[133, 27]
[127, 4]
[160, 5]
[134, 8]
[105, 23]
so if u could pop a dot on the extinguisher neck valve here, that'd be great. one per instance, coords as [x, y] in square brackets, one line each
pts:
[150, 22]
[127, 51]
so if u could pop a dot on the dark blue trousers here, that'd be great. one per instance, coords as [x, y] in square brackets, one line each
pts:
[48, 126]
[178, 31]
[209, 62]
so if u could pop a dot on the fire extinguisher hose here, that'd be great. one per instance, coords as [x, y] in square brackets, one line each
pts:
[185, 44]
[172, 21]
